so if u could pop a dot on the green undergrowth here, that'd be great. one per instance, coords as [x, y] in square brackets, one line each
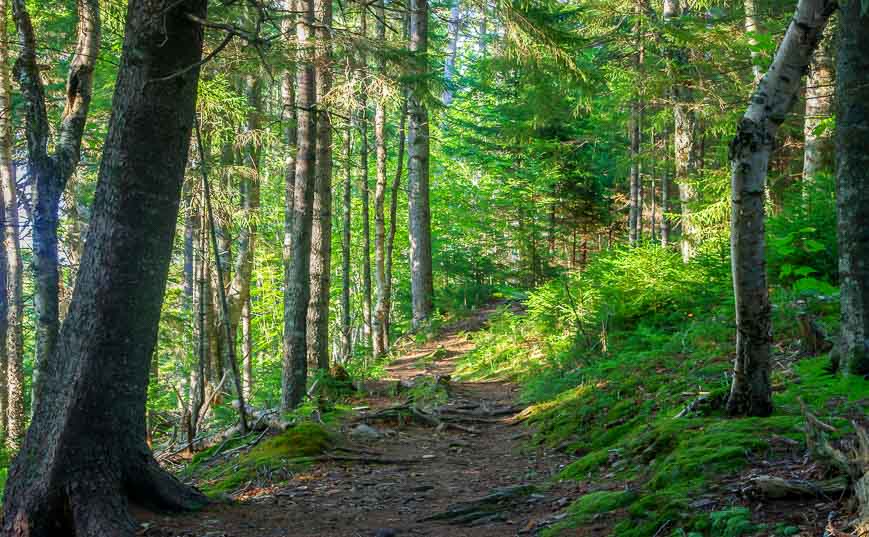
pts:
[272, 460]
[609, 380]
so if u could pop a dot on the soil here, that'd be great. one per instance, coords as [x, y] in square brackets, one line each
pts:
[351, 499]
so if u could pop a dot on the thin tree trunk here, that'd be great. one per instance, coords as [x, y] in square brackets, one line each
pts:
[298, 284]
[246, 351]
[50, 172]
[453, 29]
[820, 88]
[751, 392]
[751, 27]
[367, 313]
[685, 125]
[11, 375]
[634, 128]
[85, 453]
[321, 235]
[380, 311]
[393, 210]
[419, 211]
[852, 200]
[223, 301]
[346, 340]
[665, 196]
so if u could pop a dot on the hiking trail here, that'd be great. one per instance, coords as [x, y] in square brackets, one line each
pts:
[482, 478]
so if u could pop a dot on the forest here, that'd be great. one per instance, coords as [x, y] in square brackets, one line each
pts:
[385, 268]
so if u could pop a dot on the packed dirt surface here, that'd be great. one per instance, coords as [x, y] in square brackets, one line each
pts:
[432, 470]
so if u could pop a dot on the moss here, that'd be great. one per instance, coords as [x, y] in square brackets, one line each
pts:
[590, 505]
[588, 464]
[281, 454]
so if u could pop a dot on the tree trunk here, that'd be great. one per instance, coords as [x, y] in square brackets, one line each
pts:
[683, 137]
[297, 291]
[346, 340]
[419, 211]
[380, 311]
[751, 392]
[50, 172]
[364, 192]
[85, 453]
[321, 235]
[820, 87]
[665, 196]
[246, 351]
[453, 29]
[393, 209]
[751, 27]
[634, 128]
[852, 200]
[11, 374]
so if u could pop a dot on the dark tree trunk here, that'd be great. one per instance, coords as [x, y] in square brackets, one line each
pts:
[419, 211]
[346, 342]
[393, 210]
[85, 454]
[852, 117]
[298, 284]
[50, 172]
[321, 234]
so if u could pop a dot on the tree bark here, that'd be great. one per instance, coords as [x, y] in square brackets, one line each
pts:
[379, 335]
[852, 200]
[685, 125]
[393, 210]
[321, 235]
[419, 211]
[11, 374]
[453, 29]
[246, 351]
[820, 88]
[298, 285]
[367, 313]
[751, 392]
[346, 340]
[50, 172]
[752, 27]
[85, 454]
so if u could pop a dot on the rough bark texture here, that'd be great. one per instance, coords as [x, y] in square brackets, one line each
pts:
[393, 209]
[11, 375]
[321, 235]
[751, 392]
[50, 172]
[367, 312]
[419, 210]
[852, 200]
[346, 341]
[298, 284]
[685, 125]
[820, 88]
[379, 328]
[85, 453]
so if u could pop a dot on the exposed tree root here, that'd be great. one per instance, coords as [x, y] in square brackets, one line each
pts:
[486, 508]
[855, 463]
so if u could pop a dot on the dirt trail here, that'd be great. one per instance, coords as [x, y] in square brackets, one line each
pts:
[345, 499]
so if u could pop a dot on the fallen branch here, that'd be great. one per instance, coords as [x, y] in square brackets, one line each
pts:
[775, 488]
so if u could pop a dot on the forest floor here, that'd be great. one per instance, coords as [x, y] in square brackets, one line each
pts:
[415, 471]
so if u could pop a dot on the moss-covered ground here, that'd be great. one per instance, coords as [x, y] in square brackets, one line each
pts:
[620, 411]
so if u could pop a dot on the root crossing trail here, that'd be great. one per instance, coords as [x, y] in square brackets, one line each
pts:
[481, 479]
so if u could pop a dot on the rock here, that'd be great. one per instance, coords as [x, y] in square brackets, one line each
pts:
[365, 432]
